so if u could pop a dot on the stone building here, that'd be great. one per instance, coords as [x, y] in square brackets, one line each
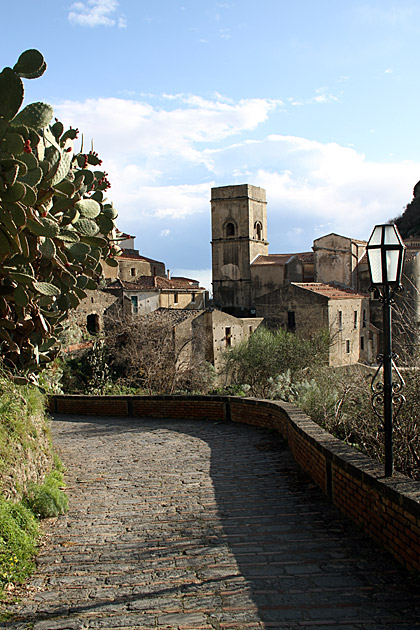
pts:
[149, 293]
[337, 259]
[309, 306]
[217, 331]
[92, 310]
[141, 287]
[131, 264]
[303, 291]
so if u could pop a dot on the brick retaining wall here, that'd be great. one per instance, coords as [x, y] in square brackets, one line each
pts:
[387, 509]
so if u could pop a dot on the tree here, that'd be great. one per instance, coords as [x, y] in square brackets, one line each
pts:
[55, 223]
[151, 353]
[408, 223]
[258, 360]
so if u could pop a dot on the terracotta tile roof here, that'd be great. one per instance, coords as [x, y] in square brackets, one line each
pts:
[306, 257]
[171, 316]
[112, 283]
[283, 259]
[331, 291]
[132, 254]
[154, 283]
[348, 238]
[412, 242]
[189, 280]
[177, 283]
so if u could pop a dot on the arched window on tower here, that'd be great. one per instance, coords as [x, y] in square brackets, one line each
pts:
[230, 229]
[258, 230]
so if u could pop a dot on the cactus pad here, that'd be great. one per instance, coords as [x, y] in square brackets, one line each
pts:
[88, 208]
[30, 65]
[46, 288]
[86, 227]
[11, 93]
[35, 115]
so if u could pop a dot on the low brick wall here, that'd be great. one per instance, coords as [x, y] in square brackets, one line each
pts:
[388, 509]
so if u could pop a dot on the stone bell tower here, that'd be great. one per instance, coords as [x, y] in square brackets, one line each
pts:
[239, 233]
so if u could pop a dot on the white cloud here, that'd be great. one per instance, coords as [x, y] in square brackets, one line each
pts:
[322, 96]
[328, 183]
[93, 13]
[173, 202]
[163, 160]
[135, 128]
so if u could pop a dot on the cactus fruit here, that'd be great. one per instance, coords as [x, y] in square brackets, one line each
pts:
[54, 224]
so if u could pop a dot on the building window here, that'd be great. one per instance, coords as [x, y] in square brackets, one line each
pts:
[340, 320]
[362, 343]
[92, 323]
[133, 271]
[364, 319]
[355, 319]
[258, 230]
[193, 298]
[176, 298]
[348, 346]
[134, 304]
[230, 229]
[228, 337]
[291, 321]
[251, 330]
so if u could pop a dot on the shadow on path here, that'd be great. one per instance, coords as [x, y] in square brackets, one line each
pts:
[195, 524]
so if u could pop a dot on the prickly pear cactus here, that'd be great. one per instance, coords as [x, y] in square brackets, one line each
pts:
[56, 225]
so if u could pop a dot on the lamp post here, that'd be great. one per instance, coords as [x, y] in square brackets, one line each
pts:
[385, 252]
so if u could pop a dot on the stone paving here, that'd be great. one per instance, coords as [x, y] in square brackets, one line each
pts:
[195, 525]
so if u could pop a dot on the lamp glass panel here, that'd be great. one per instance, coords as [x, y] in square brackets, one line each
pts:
[391, 237]
[392, 257]
[376, 236]
[374, 256]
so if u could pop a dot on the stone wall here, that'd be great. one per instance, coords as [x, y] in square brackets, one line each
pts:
[97, 303]
[310, 309]
[387, 509]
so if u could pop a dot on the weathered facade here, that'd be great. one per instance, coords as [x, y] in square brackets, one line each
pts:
[131, 265]
[239, 233]
[337, 259]
[220, 331]
[90, 313]
[310, 307]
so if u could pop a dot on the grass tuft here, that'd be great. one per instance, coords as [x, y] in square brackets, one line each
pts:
[48, 500]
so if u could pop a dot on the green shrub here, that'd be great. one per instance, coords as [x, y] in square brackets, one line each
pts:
[259, 360]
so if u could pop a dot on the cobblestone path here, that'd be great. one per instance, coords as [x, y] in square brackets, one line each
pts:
[202, 525]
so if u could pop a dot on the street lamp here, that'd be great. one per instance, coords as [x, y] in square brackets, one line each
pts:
[385, 252]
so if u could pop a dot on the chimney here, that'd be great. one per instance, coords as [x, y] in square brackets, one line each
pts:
[168, 272]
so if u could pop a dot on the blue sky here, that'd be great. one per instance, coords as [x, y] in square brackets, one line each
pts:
[318, 102]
